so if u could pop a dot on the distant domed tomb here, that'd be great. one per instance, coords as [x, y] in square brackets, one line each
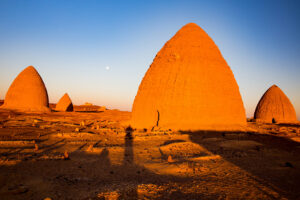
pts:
[274, 106]
[27, 93]
[64, 104]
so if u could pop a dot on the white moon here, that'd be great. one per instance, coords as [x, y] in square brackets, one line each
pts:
[107, 68]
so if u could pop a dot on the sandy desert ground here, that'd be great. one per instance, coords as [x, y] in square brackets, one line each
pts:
[91, 155]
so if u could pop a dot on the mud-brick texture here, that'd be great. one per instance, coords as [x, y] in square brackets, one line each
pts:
[275, 106]
[27, 93]
[188, 86]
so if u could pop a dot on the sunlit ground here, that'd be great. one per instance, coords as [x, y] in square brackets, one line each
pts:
[91, 156]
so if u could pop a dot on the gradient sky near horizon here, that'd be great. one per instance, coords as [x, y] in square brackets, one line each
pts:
[98, 51]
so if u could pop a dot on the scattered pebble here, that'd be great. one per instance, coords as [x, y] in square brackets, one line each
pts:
[36, 147]
[170, 159]
[90, 148]
[66, 155]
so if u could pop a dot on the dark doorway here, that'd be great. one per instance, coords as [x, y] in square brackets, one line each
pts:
[157, 122]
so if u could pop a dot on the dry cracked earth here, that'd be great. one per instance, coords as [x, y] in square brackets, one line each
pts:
[82, 155]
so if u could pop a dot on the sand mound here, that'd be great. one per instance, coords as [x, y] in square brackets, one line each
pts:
[188, 86]
[183, 149]
[275, 106]
[27, 93]
[64, 104]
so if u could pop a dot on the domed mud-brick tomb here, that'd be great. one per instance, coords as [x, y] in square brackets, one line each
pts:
[188, 86]
[274, 106]
[64, 104]
[27, 93]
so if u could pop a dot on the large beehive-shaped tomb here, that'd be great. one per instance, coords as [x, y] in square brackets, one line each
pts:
[275, 106]
[188, 86]
[27, 93]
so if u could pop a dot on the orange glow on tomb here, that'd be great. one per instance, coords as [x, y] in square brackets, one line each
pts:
[188, 86]
[64, 104]
[27, 93]
[275, 106]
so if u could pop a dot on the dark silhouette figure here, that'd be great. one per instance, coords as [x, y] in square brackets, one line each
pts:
[104, 157]
[128, 148]
[128, 160]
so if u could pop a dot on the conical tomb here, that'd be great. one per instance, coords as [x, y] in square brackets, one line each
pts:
[275, 106]
[188, 86]
[27, 93]
[64, 104]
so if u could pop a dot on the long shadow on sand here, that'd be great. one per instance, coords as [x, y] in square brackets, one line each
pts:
[274, 161]
[87, 175]
[84, 176]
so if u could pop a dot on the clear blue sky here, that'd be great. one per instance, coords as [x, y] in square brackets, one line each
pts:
[72, 42]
